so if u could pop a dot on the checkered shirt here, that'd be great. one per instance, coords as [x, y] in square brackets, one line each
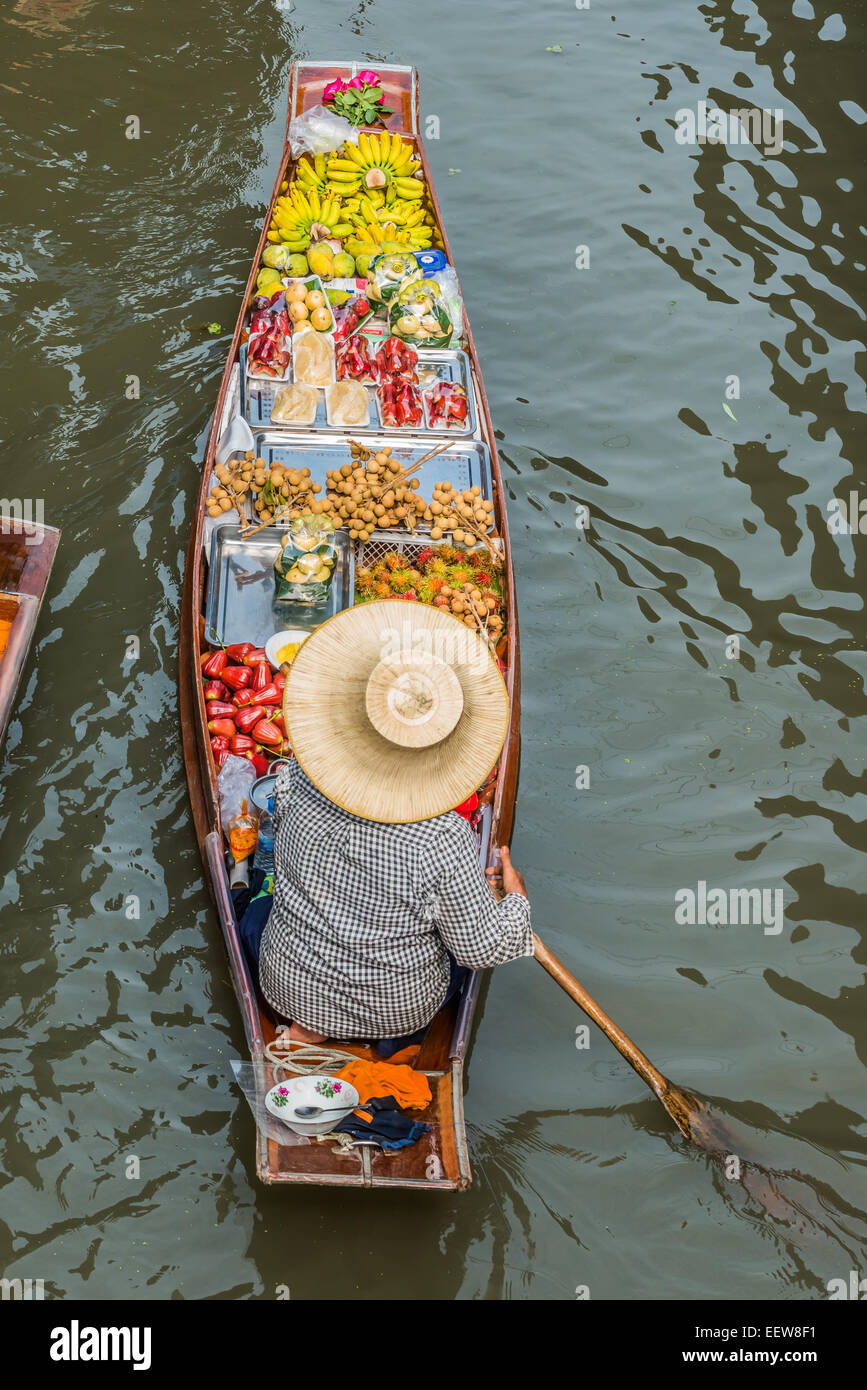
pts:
[363, 912]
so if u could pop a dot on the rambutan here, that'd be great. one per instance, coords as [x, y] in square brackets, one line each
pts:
[400, 581]
[435, 583]
[427, 554]
[382, 590]
[482, 579]
[438, 567]
[411, 594]
[394, 561]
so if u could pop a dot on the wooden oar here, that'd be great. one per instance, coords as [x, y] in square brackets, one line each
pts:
[693, 1119]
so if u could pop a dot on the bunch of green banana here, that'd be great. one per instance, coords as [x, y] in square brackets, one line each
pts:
[376, 162]
[297, 214]
[311, 175]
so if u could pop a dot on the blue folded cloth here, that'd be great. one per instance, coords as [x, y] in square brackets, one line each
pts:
[389, 1127]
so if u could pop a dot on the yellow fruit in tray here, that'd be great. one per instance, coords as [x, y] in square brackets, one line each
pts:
[321, 319]
[298, 311]
[314, 299]
[296, 292]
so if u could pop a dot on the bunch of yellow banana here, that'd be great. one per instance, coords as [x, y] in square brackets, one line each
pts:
[376, 162]
[311, 174]
[296, 212]
[376, 236]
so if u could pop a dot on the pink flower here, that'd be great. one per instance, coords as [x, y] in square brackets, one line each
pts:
[370, 79]
[355, 82]
[332, 89]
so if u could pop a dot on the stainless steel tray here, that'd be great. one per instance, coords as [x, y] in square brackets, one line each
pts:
[443, 364]
[465, 463]
[241, 605]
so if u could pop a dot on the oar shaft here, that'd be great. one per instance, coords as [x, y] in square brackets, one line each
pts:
[625, 1046]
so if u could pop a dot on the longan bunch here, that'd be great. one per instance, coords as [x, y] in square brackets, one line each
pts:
[373, 491]
[287, 492]
[233, 483]
[467, 515]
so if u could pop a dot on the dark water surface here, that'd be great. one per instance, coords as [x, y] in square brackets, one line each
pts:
[707, 519]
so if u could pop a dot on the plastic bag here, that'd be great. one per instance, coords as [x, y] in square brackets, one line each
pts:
[448, 283]
[387, 273]
[319, 131]
[419, 316]
[306, 561]
[237, 776]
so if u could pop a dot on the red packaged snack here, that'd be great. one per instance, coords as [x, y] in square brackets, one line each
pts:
[397, 360]
[400, 404]
[354, 362]
[268, 348]
[349, 317]
[446, 405]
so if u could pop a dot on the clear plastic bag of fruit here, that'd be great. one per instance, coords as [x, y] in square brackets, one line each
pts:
[419, 316]
[305, 564]
[389, 271]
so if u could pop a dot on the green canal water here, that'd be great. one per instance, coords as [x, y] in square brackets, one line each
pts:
[693, 377]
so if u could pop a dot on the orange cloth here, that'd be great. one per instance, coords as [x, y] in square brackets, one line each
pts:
[409, 1088]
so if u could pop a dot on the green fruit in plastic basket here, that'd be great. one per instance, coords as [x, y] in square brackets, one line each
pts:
[362, 263]
[266, 277]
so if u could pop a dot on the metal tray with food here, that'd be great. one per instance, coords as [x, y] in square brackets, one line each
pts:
[464, 463]
[241, 603]
[435, 365]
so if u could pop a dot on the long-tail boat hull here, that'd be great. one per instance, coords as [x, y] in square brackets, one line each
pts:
[440, 1160]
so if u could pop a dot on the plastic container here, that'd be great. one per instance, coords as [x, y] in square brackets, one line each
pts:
[332, 395]
[431, 261]
[311, 282]
[299, 373]
[264, 857]
[297, 389]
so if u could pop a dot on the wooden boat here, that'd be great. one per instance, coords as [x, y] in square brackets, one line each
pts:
[27, 551]
[441, 1159]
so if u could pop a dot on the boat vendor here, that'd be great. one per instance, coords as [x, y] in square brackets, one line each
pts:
[379, 896]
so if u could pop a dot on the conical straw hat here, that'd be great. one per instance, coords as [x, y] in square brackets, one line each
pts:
[396, 711]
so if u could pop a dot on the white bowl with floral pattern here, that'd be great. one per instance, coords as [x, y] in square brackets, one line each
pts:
[322, 1101]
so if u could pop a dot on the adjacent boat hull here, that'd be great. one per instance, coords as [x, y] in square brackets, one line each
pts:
[27, 553]
[440, 1160]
